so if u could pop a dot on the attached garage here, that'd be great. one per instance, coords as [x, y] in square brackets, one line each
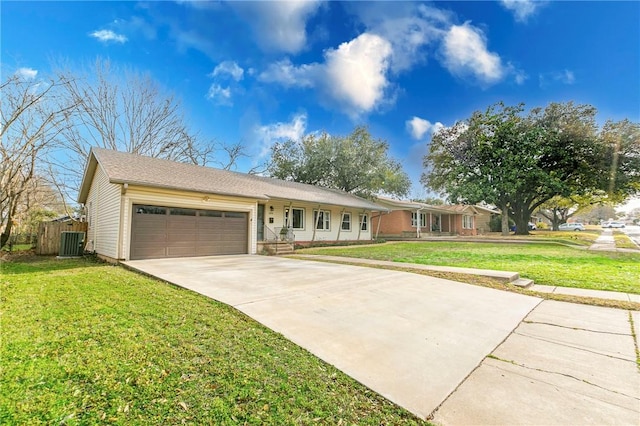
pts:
[144, 208]
[159, 232]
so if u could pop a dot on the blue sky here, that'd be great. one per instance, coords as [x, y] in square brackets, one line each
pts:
[257, 72]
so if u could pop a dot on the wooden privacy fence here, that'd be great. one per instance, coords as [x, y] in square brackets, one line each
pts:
[50, 234]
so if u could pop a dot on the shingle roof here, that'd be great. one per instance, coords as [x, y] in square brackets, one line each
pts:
[135, 169]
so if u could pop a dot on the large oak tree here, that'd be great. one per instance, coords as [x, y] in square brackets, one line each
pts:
[519, 161]
[356, 163]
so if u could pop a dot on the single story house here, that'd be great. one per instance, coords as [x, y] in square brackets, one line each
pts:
[141, 207]
[412, 219]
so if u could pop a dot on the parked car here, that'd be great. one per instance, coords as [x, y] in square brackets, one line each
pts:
[613, 224]
[571, 227]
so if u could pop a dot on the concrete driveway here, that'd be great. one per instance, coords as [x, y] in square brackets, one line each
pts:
[417, 340]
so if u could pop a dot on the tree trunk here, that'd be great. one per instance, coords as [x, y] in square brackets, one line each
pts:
[6, 234]
[505, 221]
[521, 217]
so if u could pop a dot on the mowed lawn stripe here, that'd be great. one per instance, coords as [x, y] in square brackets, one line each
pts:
[88, 343]
[550, 264]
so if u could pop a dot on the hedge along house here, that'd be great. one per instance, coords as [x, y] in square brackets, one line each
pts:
[141, 207]
[412, 219]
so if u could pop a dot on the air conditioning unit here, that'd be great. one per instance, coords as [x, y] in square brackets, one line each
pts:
[71, 243]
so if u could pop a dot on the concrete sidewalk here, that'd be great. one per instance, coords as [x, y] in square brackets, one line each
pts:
[605, 242]
[565, 364]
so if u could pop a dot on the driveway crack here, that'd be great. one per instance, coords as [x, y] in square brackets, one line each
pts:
[555, 342]
[557, 373]
[575, 328]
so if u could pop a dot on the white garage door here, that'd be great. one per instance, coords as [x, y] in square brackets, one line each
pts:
[159, 232]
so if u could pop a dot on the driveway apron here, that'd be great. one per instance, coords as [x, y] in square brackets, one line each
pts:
[409, 337]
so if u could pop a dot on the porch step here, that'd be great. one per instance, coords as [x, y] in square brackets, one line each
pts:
[282, 250]
[279, 248]
[522, 282]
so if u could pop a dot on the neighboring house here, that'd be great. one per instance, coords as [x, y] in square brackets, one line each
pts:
[140, 207]
[411, 219]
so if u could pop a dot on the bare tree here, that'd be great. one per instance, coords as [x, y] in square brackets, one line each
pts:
[33, 113]
[127, 111]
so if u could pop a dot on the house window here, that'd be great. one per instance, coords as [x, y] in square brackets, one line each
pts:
[364, 222]
[322, 219]
[467, 222]
[297, 218]
[414, 220]
[346, 222]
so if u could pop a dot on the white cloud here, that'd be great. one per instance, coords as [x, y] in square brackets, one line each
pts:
[520, 76]
[409, 27]
[280, 132]
[419, 127]
[465, 54]
[567, 77]
[353, 76]
[228, 68]
[220, 95]
[356, 72]
[107, 36]
[26, 73]
[522, 9]
[288, 75]
[562, 77]
[278, 25]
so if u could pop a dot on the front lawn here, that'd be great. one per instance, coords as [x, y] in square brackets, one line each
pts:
[582, 238]
[550, 264]
[89, 343]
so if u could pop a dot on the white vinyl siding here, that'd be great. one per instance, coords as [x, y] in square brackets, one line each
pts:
[104, 211]
[335, 231]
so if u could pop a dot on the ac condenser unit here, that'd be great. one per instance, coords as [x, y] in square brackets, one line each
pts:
[71, 243]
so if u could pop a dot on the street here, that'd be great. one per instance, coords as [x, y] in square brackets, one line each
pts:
[633, 232]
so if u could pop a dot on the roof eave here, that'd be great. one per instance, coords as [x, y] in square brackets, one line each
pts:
[177, 188]
[87, 177]
[373, 207]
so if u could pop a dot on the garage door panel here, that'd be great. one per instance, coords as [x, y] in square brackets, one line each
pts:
[181, 251]
[158, 238]
[188, 236]
[176, 232]
[148, 252]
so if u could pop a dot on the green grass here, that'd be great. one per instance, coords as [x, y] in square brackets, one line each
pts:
[88, 343]
[581, 238]
[550, 264]
[17, 247]
[623, 241]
